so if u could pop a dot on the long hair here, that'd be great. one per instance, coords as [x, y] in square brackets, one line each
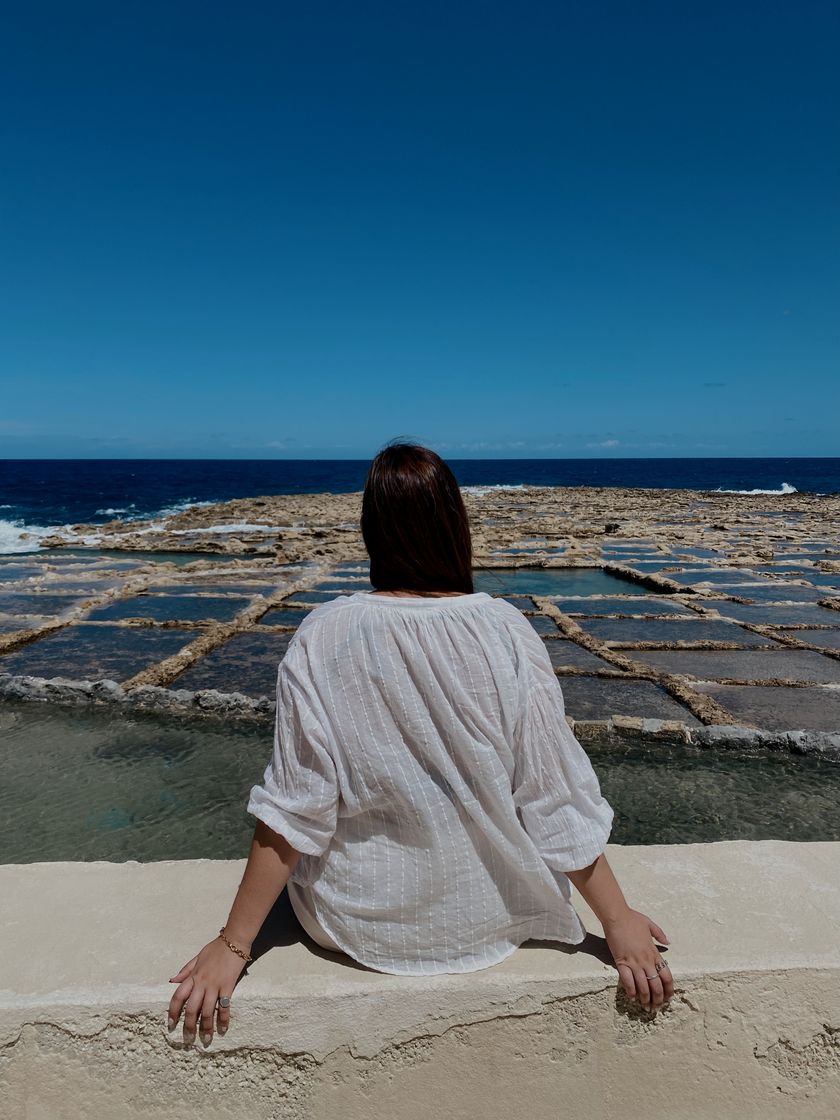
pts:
[414, 523]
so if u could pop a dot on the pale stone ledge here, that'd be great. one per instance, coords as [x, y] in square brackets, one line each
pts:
[754, 1031]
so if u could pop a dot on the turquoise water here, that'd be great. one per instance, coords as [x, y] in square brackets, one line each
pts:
[87, 784]
[553, 581]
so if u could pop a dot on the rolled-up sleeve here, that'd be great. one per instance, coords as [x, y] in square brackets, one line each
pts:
[298, 797]
[555, 789]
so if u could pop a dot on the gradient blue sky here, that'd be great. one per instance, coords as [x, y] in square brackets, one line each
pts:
[542, 229]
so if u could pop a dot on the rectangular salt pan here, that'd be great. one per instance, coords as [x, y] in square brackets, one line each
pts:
[280, 616]
[246, 663]
[668, 630]
[551, 581]
[597, 698]
[746, 665]
[161, 608]
[84, 652]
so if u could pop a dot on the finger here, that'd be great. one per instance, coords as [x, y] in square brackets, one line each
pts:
[642, 989]
[191, 1013]
[179, 998]
[625, 972]
[656, 996]
[184, 973]
[223, 1017]
[208, 1009]
[658, 932]
[667, 983]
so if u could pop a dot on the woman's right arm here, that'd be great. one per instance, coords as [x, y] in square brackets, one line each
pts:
[215, 970]
[630, 935]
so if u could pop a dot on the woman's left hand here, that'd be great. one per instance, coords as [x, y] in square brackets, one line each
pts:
[644, 972]
[201, 983]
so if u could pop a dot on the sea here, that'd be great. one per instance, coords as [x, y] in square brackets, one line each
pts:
[40, 496]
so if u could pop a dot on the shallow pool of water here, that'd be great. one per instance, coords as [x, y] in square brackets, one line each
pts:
[83, 784]
[553, 581]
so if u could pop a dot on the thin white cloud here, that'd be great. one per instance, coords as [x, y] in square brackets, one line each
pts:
[480, 445]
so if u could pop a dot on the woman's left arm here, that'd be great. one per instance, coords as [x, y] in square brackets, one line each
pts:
[631, 936]
[213, 973]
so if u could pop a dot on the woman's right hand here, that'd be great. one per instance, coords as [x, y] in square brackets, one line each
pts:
[644, 973]
[211, 974]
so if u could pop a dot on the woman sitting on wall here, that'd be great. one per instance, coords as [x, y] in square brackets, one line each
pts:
[426, 802]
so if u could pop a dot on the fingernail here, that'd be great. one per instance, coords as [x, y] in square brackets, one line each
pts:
[170, 1024]
[189, 1039]
[205, 1038]
[222, 1030]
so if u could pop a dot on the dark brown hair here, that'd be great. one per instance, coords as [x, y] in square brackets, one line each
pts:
[415, 524]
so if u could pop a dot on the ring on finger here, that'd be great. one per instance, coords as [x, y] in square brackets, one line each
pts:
[224, 1001]
[661, 965]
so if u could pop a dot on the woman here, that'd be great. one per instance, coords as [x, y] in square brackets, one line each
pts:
[426, 802]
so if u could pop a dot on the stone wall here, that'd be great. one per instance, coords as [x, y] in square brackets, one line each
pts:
[754, 1030]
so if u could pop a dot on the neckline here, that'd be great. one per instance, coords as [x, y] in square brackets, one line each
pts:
[421, 600]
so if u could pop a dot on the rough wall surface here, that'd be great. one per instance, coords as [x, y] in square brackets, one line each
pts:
[754, 1030]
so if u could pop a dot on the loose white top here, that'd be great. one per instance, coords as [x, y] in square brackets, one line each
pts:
[423, 764]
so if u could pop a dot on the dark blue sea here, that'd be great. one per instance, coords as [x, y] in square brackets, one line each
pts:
[44, 493]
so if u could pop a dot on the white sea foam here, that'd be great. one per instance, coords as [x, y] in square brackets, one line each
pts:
[786, 488]
[179, 507]
[16, 536]
[165, 511]
[491, 487]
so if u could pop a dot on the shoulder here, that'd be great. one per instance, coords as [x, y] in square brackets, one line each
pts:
[311, 645]
[530, 650]
[324, 615]
[322, 621]
[512, 618]
[504, 607]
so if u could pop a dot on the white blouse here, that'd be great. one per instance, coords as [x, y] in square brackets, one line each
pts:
[424, 767]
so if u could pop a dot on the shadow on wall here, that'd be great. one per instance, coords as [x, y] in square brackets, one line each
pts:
[282, 928]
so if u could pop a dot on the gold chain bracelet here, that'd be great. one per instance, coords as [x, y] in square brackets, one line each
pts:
[239, 952]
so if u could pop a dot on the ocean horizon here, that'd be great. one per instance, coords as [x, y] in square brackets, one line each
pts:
[39, 496]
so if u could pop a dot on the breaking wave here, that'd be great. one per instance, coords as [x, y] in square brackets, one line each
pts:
[492, 487]
[786, 488]
[18, 537]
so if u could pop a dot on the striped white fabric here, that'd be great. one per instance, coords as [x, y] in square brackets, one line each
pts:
[423, 765]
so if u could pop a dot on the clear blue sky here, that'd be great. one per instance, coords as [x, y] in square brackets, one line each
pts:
[538, 229]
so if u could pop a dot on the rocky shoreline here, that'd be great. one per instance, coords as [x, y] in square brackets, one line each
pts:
[708, 617]
[505, 521]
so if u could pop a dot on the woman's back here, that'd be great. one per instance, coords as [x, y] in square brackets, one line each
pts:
[426, 802]
[424, 767]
